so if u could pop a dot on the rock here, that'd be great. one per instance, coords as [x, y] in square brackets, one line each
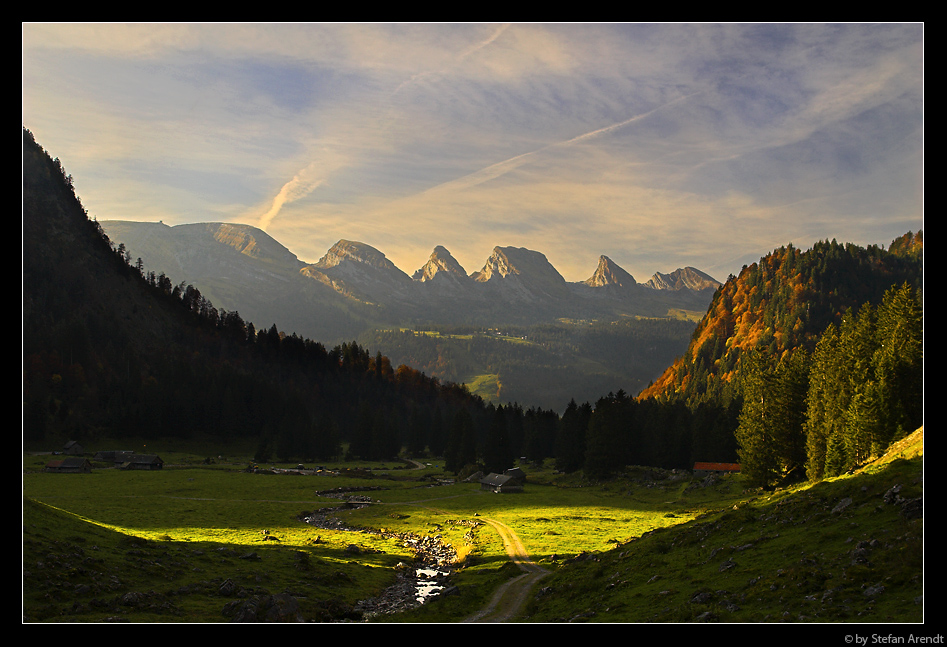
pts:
[701, 598]
[281, 607]
[844, 503]
[891, 496]
[912, 508]
[872, 591]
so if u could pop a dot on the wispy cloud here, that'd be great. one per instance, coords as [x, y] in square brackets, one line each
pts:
[661, 145]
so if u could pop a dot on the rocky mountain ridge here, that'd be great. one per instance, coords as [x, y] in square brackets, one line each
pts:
[240, 267]
[609, 273]
[687, 278]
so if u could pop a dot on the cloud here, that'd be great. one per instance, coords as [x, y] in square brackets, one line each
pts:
[661, 145]
[302, 184]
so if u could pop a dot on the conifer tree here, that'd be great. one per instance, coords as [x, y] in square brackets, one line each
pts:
[497, 452]
[820, 419]
[462, 443]
[570, 437]
[755, 433]
[898, 362]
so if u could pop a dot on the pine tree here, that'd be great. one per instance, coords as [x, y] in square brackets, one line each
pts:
[819, 416]
[898, 362]
[791, 388]
[462, 443]
[755, 432]
[570, 437]
[497, 452]
[607, 438]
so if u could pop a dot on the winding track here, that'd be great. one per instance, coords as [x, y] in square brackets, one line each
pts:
[510, 597]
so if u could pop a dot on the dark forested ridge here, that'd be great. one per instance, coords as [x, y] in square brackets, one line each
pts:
[824, 345]
[110, 351]
[543, 365]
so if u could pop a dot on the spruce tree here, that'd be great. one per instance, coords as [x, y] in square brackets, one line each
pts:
[570, 437]
[755, 432]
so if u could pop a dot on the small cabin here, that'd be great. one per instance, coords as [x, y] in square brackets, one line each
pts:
[141, 462]
[500, 483]
[72, 448]
[70, 465]
[516, 474]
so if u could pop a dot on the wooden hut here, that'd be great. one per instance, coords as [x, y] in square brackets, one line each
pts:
[141, 462]
[70, 465]
[500, 483]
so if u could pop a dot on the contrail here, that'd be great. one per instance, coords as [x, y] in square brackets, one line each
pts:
[501, 168]
[299, 187]
[463, 56]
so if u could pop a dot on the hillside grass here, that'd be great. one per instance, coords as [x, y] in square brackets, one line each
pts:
[797, 555]
[644, 547]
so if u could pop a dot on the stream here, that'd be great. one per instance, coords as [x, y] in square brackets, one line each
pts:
[417, 582]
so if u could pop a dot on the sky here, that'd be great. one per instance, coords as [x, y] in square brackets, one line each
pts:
[658, 145]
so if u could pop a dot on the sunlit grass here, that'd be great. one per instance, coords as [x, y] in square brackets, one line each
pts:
[196, 526]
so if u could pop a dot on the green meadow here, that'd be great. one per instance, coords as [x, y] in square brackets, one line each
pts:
[640, 547]
[190, 508]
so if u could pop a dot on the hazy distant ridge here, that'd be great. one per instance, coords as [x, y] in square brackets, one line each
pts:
[354, 285]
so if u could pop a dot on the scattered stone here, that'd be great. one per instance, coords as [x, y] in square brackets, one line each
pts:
[844, 503]
[872, 591]
[415, 583]
[281, 607]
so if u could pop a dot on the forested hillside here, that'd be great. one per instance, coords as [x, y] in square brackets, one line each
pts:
[823, 351]
[110, 351]
[543, 365]
[784, 302]
[805, 365]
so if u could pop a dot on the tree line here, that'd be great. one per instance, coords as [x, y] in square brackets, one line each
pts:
[826, 412]
[792, 370]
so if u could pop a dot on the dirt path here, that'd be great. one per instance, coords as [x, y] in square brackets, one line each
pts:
[510, 597]
[508, 600]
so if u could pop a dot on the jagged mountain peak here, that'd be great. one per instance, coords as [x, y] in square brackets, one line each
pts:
[521, 275]
[440, 263]
[609, 272]
[683, 278]
[349, 250]
[508, 261]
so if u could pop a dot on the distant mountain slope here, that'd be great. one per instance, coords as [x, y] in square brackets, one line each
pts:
[784, 301]
[520, 275]
[441, 264]
[609, 273]
[111, 350]
[355, 287]
[242, 268]
[688, 278]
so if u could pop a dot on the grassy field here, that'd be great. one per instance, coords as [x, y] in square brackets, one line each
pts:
[638, 548]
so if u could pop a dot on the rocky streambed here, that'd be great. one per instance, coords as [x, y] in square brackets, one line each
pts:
[419, 581]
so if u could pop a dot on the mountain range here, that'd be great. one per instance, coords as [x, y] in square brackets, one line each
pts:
[354, 286]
